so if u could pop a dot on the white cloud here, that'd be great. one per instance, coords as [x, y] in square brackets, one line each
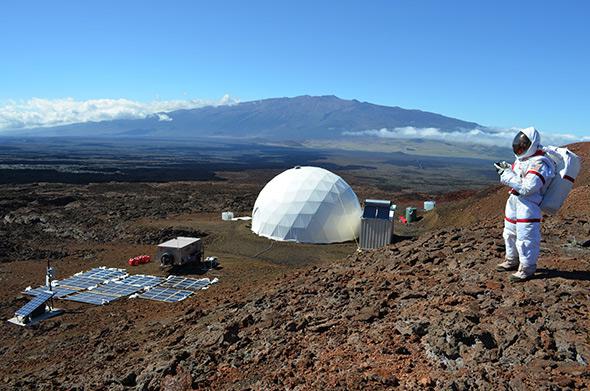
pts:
[163, 117]
[486, 136]
[38, 112]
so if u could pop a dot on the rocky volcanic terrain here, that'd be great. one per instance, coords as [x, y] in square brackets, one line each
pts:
[39, 219]
[430, 313]
[427, 312]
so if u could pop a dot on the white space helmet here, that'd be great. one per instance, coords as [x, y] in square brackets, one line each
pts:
[526, 143]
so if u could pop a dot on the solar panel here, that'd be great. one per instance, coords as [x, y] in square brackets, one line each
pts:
[370, 212]
[167, 295]
[79, 282]
[34, 304]
[142, 281]
[90, 297]
[116, 289]
[104, 274]
[58, 291]
[192, 284]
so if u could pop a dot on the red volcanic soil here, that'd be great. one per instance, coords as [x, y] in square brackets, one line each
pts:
[427, 312]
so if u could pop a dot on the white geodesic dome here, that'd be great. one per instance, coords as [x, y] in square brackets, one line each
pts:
[307, 205]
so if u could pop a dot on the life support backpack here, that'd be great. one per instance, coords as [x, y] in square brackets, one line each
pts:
[567, 168]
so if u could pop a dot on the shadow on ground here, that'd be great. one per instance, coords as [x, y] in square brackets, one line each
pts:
[568, 275]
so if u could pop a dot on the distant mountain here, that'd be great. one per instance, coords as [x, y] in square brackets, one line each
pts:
[299, 118]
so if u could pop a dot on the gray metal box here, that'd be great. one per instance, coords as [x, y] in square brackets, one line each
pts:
[376, 224]
[179, 251]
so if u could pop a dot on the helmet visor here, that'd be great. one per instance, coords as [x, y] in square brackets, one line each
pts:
[521, 144]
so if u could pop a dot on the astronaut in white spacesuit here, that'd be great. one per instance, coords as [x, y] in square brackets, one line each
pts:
[529, 177]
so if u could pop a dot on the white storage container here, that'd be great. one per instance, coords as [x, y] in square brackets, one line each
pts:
[227, 216]
[429, 205]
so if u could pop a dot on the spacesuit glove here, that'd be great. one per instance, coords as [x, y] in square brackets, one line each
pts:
[502, 166]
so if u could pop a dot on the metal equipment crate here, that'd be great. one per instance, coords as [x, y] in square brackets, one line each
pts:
[376, 224]
[180, 251]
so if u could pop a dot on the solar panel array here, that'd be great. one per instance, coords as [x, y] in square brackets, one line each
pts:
[104, 274]
[90, 297]
[116, 289]
[79, 282]
[167, 295]
[186, 283]
[142, 281]
[34, 304]
[92, 278]
[59, 291]
[103, 285]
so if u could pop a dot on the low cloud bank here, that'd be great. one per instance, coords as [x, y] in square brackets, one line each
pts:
[39, 112]
[484, 136]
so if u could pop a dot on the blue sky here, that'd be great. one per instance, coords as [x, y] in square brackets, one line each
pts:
[499, 63]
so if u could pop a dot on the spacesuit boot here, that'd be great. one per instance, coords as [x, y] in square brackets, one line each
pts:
[524, 273]
[507, 265]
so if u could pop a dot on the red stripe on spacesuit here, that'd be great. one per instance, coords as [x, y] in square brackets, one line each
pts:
[539, 152]
[537, 174]
[512, 191]
[569, 178]
[522, 220]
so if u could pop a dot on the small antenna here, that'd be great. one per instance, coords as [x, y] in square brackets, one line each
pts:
[48, 280]
[49, 275]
